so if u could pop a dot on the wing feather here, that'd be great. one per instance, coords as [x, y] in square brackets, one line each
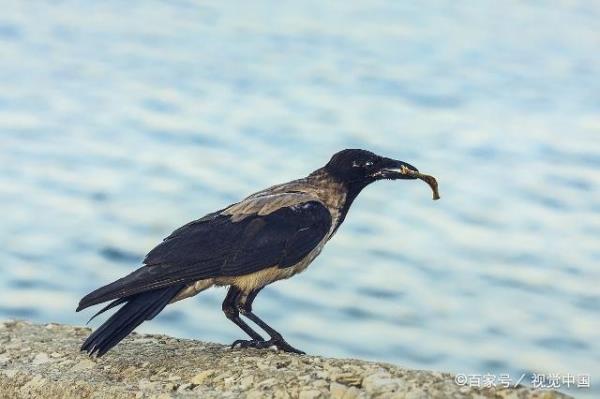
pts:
[223, 244]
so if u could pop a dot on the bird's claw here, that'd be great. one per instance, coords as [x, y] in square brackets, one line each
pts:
[280, 344]
[284, 346]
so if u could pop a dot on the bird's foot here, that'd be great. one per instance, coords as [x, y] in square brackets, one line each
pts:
[280, 344]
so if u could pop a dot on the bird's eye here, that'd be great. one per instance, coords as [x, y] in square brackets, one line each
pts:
[359, 164]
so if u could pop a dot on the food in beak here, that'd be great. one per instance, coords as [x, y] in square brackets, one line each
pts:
[426, 178]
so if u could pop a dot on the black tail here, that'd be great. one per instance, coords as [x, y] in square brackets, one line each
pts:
[137, 309]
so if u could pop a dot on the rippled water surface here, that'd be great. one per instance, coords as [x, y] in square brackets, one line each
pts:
[120, 121]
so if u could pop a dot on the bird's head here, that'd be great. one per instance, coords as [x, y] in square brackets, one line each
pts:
[358, 168]
[361, 166]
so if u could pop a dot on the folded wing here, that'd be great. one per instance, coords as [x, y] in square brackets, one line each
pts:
[225, 244]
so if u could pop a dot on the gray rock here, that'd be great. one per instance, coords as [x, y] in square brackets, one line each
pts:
[309, 394]
[337, 391]
[83, 364]
[45, 362]
[40, 358]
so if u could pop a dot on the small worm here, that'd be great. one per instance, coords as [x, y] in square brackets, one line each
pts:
[430, 180]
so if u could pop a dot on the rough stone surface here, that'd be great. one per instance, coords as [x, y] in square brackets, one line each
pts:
[45, 362]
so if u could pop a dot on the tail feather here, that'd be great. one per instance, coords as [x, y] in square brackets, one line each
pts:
[129, 285]
[109, 306]
[137, 309]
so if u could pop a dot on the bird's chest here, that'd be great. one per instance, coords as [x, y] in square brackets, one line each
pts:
[304, 263]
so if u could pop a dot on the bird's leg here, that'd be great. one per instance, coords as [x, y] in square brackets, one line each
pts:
[245, 308]
[230, 308]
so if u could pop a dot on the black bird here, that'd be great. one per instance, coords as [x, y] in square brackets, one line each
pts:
[271, 235]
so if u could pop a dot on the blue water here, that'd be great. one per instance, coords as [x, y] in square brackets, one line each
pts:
[120, 121]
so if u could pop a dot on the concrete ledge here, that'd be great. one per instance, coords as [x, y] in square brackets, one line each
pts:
[43, 361]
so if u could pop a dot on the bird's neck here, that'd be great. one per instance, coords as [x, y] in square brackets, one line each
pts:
[336, 194]
[352, 192]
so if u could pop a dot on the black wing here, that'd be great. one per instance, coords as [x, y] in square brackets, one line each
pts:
[217, 246]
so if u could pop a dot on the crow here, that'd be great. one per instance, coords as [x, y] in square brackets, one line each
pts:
[271, 235]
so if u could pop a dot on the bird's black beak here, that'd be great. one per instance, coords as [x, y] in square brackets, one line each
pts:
[393, 170]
